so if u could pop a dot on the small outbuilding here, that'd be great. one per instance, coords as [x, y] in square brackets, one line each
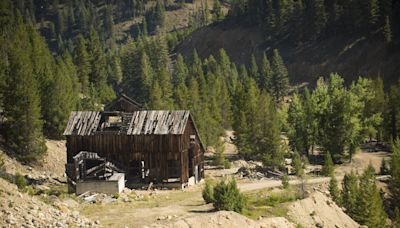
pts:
[159, 147]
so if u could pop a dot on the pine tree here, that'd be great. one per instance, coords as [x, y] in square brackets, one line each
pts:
[181, 96]
[98, 73]
[328, 167]
[350, 192]
[297, 132]
[369, 206]
[396, 220]
[62, 101]
[180, 71]
[280, 80]
[334, 190]
[144, 82]
[217, 11]
[23, 129]
[155, 102]
[82, 62]
[265, 74]
[297, 164]
[387, 31]
[254, 69]
[394, 184]
[384, 170]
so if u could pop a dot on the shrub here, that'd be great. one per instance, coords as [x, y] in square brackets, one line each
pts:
[208, 192]
[384, 170]
[20, 181]
[228, 197]
[334, 190]
[285, 181]
[227, 164]
[2, 168]
[219, 157]
[297, 164]
[328, 167]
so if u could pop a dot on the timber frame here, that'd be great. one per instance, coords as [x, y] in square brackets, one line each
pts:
[149, 146]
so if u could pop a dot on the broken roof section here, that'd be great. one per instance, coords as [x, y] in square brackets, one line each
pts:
[137, 123]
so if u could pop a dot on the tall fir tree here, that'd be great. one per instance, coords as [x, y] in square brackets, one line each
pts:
[21, 99]
[280, 79]
[394, 184]
[82, 62]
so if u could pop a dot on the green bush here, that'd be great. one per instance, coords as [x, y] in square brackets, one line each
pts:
[328, 167]
[227, 164]
[285, 181]
[228, 197]
[20, 181]
[384, 170]
[208, 192]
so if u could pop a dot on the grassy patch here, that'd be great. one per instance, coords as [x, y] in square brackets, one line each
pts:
[269, 204]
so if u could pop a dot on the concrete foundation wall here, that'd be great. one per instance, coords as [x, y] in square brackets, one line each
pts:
[114, 185]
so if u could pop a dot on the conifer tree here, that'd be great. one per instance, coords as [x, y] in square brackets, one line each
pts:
[181, 96]
[62, 101]
[217, 11]
[280, 80]
[350, 192]
[82, 62]
[394, 184]
[254, 69]
[22, 101]
[369, 205]
[155, 101]
[297, 164]
[396, 220]
[334, 190]
[143, 84]
[98, 73]
[180, 71]
[328, 167]
[265, 74]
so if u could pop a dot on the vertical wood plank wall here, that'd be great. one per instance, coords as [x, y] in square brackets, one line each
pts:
[155, 150]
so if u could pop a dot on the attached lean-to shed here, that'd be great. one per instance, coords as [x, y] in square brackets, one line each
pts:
[150, 146]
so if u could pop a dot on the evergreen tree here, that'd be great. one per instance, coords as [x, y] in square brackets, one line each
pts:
[350, 192]
[180, 71]
[280, 80]
[384, 169]
[254, 69]
[82, 62]
[396, 220]
[387, 31]
[297, 164]
[328, 167]
[98, 73]
[334, 190]
[155, 102]
[23, 129]
[62, 101]
[394, 184]
[265, 74]
[217, 11]
[369, 205]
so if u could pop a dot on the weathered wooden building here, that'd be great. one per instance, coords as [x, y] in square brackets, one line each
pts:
[150, 146]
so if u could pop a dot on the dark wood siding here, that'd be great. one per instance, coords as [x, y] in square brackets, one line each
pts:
[159, 152]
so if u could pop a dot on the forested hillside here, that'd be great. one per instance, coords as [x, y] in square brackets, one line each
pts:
[314, 37]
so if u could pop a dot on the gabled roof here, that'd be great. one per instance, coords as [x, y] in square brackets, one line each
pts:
[137, 123]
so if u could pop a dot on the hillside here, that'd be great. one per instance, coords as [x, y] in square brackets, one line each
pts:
[350, 56]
